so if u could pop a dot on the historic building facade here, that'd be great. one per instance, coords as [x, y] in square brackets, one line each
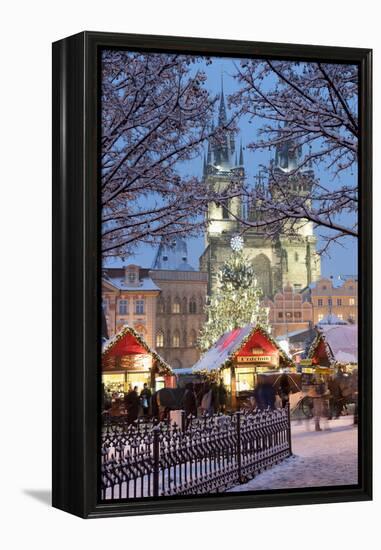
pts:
[289, 311]
[341, 301]
[180, 305]
[277, 261]
[165, 304]
[129, 296]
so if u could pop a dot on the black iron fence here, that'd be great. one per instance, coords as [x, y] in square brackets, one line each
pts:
[208, 455]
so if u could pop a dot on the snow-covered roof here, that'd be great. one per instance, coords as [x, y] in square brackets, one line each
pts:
[292, 333]
[332, 319]
[172, 255]
[342, 340]
[146, 283]
[228, 344]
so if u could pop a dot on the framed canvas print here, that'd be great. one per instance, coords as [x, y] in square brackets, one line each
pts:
[212, 274]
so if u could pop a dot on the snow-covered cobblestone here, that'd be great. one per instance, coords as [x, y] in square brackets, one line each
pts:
[319, 459]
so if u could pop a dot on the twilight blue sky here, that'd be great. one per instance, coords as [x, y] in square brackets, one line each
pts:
[342, 259]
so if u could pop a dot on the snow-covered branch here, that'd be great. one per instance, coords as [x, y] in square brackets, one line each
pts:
[310, 105]
[156, 114]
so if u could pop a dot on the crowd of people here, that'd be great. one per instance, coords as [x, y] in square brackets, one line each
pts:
[132, 403]
[326, 398]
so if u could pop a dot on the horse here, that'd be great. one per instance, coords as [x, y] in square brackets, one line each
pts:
[343, 389]
[165, 400]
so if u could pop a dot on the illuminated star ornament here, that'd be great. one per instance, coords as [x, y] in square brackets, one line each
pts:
[236, 243]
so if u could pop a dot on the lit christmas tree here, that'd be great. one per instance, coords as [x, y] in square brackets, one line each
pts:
[236, 301]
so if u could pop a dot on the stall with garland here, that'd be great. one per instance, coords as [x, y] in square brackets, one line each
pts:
[128, 361]
[240, 356]
[334, 346]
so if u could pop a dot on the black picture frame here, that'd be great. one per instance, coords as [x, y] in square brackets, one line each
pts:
[76, 274]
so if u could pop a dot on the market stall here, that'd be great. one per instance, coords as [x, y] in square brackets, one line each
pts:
[240, 356]
[127, 361]
[334, 346]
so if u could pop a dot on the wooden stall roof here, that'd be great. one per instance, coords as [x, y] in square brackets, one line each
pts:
[336, 343]
[238, 342]
[128, 342]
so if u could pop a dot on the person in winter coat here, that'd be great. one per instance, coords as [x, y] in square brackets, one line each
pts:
[189, 401]
[319, 394]
[132, 403]
[215, 398]
[222, 396]
[264, 395]
[336, 398]
[284, 390]
[145, 399]
[207, 400]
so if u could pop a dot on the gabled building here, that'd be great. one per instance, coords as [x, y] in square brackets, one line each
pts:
[180, 304]
[289, 311]
[129, 296]
[330, 299]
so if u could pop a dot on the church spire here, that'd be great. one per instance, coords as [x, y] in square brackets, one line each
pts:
[241, 155]
[222, 109]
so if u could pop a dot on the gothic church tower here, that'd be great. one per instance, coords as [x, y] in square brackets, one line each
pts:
[277, 261]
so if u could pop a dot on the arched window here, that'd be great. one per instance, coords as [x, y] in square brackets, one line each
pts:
[192, 305]
[176, 306]
[225, 210]
[184, 306]
[160, 305]
[176, 339]
[168, 304]
[192, 338]
[160, 339]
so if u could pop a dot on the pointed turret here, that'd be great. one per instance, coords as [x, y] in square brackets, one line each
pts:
[288, 155]
[241, 155]
[222, 109]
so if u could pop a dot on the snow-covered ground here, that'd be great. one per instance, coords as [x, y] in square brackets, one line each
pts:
[319, 459]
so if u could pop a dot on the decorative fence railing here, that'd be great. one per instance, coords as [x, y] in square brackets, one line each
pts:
[209, 456]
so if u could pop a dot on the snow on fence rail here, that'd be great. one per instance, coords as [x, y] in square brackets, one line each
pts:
[209, 456]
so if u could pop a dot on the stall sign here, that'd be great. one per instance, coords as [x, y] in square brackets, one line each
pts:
[306, 362]
[255, 359]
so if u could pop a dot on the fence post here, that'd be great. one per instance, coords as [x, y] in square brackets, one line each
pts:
[289, 427]
[183, 421]
[156, 457]
[239, 456]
